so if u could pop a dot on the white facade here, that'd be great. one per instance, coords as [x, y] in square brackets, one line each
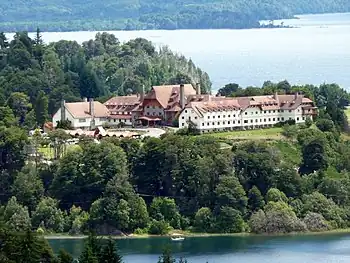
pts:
[252, 117]
[115, 120]
[78, 123]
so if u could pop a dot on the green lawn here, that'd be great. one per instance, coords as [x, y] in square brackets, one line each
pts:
[48, 152]
[347, 112]
[258, 134]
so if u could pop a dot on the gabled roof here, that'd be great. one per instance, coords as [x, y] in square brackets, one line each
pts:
[167, 94]
[81, 109]
[123, 100]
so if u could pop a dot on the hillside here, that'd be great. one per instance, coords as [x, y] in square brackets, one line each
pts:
[65, 15]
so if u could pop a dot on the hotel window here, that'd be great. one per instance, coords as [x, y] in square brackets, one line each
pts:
[228, 122]
[303, 118]
[246, 113]
[233, 122]
[251, 121]
[282, 111]
[218, 123]
[203, 124]
[290, 110]
[290, 118]
[148, 107]
[273, 119]
[115, 120]
[229, 116]
[256, 120]
[223, 122]
[195, 118]
[239, 122]
[251, 113]
[185, 111]
[208, 123]
[297, 118]
[234, 116]
[224, 116]
[219, 117]
[269, 119]
[208, 117]
[274, 111]
[278, 119]
[264, 111]
[264, 120]
[282, 118]
[269, 111]
[256, 112]
[213, 117]
[154, 114]
[183, 124]
[160, 114]
[245, 121]
[182, 117]
[213, 123]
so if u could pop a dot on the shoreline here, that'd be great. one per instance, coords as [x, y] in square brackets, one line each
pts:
[203, 235]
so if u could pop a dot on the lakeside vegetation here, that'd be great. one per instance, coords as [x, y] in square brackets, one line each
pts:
[77, 15]
[181, 181]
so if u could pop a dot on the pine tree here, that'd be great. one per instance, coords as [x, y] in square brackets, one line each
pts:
[65, 257]
[110, 253]
[38, 51]
[87, 256]
[92, 250]
[166, 257]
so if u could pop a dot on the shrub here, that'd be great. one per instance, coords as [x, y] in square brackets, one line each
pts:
[203, 221]
[159, 227]
[315, 222]
[257, 222]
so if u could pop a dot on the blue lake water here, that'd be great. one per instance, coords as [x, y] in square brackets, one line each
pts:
[333, 248]
[317, 51]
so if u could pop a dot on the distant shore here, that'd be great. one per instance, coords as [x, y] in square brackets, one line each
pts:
[186, 234]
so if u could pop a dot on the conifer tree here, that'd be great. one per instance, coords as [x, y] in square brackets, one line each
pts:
[110, 253]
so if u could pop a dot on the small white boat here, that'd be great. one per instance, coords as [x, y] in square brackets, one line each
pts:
[177, 237]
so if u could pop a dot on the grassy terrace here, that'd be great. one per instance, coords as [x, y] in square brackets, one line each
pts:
[261, 134]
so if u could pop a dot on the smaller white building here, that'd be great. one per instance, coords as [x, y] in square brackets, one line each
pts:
[221, 113]
[86, 115]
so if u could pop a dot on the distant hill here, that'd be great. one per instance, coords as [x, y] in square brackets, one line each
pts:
[68, 15]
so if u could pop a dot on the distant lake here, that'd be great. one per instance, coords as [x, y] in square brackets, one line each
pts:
[291, 249]
[316, 52]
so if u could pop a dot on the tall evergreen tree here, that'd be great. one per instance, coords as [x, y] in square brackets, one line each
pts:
[41, 108]
[110, 253]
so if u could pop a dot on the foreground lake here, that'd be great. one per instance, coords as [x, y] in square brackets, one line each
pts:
[331, 248]
[317, 51]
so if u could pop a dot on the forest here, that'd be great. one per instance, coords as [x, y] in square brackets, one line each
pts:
[35, 77]
[78, 15]
[182, 181]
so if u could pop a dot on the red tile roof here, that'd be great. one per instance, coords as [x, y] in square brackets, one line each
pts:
[81, 109]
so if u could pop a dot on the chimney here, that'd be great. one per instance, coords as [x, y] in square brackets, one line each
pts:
[182, 96]
[142, 94]
[92, 108]
[296, 95]
[92, 113]
[198, 89]
[63, 110]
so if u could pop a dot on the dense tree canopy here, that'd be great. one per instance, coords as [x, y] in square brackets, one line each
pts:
[35, 77]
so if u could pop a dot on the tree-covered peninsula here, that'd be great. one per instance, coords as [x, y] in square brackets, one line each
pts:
[78, 15]
[35, 77]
